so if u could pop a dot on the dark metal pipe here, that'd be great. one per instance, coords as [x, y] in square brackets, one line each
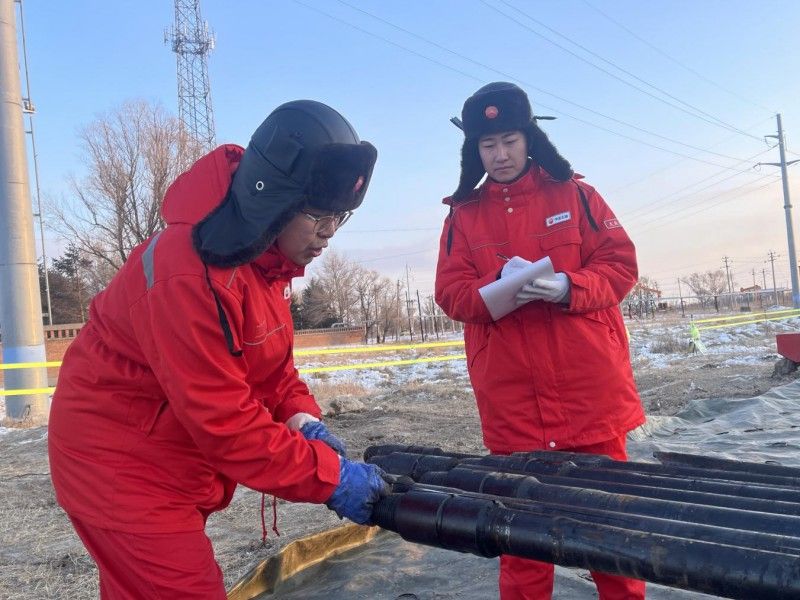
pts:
[487, 528]
[713, 470]
[676, 465]
[719, 525]
[415, 465]
[522, 463]
[710, 462]
[384, 449]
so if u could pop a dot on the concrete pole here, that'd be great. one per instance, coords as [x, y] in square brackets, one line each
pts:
[20, 302]
[787, 206]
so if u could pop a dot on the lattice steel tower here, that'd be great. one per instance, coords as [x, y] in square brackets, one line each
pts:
[192, 41]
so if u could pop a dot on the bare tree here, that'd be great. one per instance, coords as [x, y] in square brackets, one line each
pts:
[315, 306]
[132, 156]
[642, 299]
[336, 276]
[710, 283]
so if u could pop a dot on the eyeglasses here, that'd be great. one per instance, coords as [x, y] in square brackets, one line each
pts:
[327, 221]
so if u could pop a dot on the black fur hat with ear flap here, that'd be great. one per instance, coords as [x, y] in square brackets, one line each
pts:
[305, 154]
[495, 108]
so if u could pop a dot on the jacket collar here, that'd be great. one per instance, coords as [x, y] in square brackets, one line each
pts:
[274, 265]
[527, 183]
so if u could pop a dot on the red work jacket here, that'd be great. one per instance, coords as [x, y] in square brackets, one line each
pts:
[154, 421]
[546, 376]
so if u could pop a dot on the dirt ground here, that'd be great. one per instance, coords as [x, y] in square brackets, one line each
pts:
[40, 556]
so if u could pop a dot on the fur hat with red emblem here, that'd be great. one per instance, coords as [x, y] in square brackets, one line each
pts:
[495, 108]
[304, 154]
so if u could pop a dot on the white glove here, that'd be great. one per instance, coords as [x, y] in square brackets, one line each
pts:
[515, 263]
[549, 290]
[296, 421]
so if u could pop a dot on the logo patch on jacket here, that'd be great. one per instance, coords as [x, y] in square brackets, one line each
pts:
[611, 223]
[556, 219]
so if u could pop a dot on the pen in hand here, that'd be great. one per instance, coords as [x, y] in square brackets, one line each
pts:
[503, 256]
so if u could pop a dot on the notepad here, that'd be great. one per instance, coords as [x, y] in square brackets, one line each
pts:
[500, 296]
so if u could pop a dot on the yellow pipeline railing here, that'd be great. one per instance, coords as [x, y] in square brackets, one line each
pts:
[309, 370]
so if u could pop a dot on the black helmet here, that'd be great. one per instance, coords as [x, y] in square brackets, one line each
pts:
[303, 154]
[498, 107]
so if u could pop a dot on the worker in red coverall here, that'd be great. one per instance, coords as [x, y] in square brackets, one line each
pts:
[555, 373]
[182, 384]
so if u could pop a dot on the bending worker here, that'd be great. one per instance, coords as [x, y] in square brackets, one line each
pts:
[555, 373]
[182, 383]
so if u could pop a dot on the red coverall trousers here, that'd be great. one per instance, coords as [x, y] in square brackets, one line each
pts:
[524, 579]
[160, 566]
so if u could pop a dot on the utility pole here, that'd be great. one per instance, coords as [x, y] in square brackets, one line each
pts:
[399, 315]
[28, 109]
[680, 294]
[764, 279]
[20, 300]
[728, 279]
[409, 304]
[421, 322]
[787, 206]
[772, 257]
[433, 317]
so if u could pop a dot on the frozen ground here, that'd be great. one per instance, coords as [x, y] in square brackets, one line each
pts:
[427, 403]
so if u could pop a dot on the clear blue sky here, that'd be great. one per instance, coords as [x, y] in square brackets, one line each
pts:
[400, 74]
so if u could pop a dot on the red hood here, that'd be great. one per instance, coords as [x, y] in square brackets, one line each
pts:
[202, 188]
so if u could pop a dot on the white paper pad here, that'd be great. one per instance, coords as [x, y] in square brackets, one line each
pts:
[499, 296]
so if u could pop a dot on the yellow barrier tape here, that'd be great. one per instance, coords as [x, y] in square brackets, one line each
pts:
[30, 365]
[745, 322]
[376, 348]
[376, 365]
[748, 315]
[389, 363]
[48, 390]
[360, 349]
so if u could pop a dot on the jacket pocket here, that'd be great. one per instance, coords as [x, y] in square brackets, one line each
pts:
[475, 343]
[599, 319]
[563, 246]
[484, 253]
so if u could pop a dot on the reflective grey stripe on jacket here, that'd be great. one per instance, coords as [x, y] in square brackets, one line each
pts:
[147, 260]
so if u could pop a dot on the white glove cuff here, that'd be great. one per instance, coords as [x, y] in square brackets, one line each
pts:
[296, 421]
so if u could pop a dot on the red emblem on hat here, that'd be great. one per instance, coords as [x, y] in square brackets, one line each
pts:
[491, 112]
[359, 183]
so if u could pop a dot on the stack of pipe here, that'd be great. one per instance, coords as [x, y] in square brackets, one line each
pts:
[710, 525]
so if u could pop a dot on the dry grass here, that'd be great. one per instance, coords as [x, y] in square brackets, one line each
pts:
[328, 391]
[668, 344]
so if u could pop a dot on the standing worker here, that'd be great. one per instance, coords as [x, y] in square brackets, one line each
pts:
[555, 373]
[182, 383]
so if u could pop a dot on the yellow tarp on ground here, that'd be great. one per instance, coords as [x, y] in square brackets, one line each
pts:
[297, 556]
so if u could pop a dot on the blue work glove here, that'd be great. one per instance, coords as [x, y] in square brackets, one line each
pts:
[315, 430]
[361, 485]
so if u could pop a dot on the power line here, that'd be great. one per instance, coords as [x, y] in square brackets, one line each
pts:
[674, 60]
[662, 200]
[743, 192]
[677, 162]
[714, 120]
[513, 78]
